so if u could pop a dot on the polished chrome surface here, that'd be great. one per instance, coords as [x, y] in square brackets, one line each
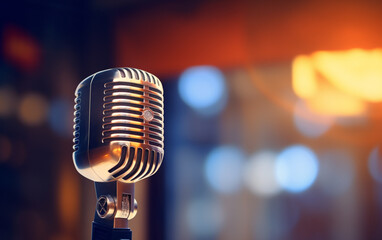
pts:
[133, 210]
[118, 125]
[125, 205]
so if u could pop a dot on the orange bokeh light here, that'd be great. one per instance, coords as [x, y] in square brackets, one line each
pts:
[339, 83]
[20, 48]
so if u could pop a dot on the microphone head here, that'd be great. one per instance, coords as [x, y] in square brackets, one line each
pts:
[118, 125]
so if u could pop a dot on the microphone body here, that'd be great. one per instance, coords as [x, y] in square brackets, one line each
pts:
[118, 140]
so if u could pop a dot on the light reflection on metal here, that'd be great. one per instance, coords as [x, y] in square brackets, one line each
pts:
[121, 125]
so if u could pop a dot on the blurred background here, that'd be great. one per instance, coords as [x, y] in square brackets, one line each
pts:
[273, 116]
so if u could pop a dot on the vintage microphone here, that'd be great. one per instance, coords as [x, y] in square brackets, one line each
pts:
[118, 140]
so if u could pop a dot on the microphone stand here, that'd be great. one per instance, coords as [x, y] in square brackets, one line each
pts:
[115, 206]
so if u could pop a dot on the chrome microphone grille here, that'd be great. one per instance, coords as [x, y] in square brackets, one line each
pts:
[118, 125]
[133, 112]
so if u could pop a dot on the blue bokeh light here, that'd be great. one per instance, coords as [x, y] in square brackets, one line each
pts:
[309, 123]
[61, 117]
[296, 168]
[203, 88]
[205, 217]
[223, 169]
[375, 164]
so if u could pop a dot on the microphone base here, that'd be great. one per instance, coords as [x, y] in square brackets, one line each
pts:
[101, 232]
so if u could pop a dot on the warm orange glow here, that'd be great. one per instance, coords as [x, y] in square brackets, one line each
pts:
[332, 102]
[68, 198]
[20, 48]
[117, 151]
[339, 83]
[356, 72]
[303, 77]
[33, 109]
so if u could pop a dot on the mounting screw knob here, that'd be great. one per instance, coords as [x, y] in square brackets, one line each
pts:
[105, 206]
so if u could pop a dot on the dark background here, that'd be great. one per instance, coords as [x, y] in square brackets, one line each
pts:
[48, 47]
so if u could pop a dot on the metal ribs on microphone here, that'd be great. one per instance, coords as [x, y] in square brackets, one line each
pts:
[133, 112]
[76, 127]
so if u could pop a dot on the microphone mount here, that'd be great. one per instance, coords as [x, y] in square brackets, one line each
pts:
[115, 206]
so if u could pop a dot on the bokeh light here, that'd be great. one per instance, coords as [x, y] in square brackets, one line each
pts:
[375, 164]
[259, 174]
[333, 102]
[276, 219]
[205, 217]
[336, 172]
[203, 88]
[310, 123]
[357, 72]
[68, 185]
[21, 48]
[304, 80]
[61, 117]
[33, 109]
[339, 83]
[8, 101]
[296, 168]
[6, 148]
[223, 169]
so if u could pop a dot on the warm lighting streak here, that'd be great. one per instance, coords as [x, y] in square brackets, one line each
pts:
[339, 83]
[356, 72]
[303, 77]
